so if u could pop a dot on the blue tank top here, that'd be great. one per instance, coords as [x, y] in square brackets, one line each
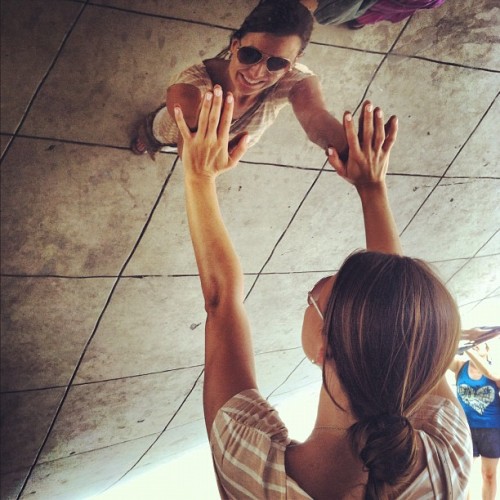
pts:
[479, 399]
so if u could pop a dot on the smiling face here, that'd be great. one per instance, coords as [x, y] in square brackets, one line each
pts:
[312, 326]
[248, 80]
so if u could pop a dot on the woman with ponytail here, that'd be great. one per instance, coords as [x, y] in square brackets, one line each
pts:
[383, 330]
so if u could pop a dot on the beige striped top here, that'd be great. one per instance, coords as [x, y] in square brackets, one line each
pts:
[248, 441]
[255, 121]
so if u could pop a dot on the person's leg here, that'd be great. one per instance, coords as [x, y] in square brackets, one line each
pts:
[489, 468]
[488, 446]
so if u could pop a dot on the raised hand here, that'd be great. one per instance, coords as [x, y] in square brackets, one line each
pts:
[368, 158]
[206, 152]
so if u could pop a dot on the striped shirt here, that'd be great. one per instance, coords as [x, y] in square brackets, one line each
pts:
[248, 442]
[254, 121]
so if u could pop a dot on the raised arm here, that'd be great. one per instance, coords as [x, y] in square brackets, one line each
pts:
[488, 370]
[366, 169]
[229, 362]
[320, 126]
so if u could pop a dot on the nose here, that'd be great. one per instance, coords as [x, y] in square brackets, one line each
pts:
[258, 70]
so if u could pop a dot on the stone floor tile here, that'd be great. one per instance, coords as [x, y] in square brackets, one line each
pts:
[45, 326]
[254, 222]
[344, 76]
[482, 313]
[11, 484]
[23, 430]
[452, 223]
[230, 14]
[274, 368]
[73, 210]
[329, 225]
[150, 325]
[492, 246]
[430, 134]
[32, 33]
[84, 474]
[457, 32]
[476, 280]
[447, 268]
[306, 376]
[109, 413]
[378, 37]
[276, 324]
[172, 444]
[481, 155]
[104, 92]
[4, 142]
[191, 410]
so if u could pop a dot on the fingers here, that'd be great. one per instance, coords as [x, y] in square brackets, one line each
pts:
[204, 113]
[215, 111]
[226, 118]
[367, 114]
[239, 150]
[391, 129]
[336, 162]
[379, 131]
[181, 123]
[214, 119]
[350, 132]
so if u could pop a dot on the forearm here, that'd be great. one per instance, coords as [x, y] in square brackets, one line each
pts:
[220, 270]
[483, 366]
[326, 131]
[380, 228]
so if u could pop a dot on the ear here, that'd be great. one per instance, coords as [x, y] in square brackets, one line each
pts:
[233, 47]
[320, 356]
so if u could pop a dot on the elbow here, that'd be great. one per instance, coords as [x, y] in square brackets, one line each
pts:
[221, 300]
[212, 296]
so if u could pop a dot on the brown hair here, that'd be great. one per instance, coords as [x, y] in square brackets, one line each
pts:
[277, 17]
[392, 330]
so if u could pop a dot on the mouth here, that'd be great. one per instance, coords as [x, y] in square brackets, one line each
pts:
[249, 82]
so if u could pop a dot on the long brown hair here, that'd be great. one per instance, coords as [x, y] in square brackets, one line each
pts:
[277, 17]
[392, 330]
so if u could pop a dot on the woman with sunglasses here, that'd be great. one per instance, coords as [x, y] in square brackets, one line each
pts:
[261, 69]
[383, 330]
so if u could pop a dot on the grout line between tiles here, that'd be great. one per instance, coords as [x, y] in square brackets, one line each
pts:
[449, 166]
[286, 229]
[243, 161]
[446, 63]
[286, 378]
[474, 256]
[69, 277]
[39, 87]
[161, 16]
[161, 433]
[93, 382]
[97, 449]
[355, 49]
[99, 319]
[375, 73]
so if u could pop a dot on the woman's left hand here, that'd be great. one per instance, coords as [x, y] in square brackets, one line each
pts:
[205, 152]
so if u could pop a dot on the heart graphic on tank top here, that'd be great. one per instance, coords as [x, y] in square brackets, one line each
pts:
[478, 399]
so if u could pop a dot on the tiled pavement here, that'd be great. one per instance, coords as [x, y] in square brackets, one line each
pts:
[101, 357]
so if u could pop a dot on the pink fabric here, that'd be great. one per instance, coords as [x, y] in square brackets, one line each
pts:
[395, 10]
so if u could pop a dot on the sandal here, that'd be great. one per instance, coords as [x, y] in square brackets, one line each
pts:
[144, 141]
[354, 24]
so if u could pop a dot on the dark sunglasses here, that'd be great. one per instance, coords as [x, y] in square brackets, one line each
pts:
[250, 55]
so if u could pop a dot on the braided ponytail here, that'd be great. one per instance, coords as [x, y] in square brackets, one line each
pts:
[387, 446]
[392, 330]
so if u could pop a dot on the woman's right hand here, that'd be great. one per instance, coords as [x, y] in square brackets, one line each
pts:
[369, 150]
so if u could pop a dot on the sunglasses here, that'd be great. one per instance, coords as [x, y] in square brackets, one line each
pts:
[250, 55]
